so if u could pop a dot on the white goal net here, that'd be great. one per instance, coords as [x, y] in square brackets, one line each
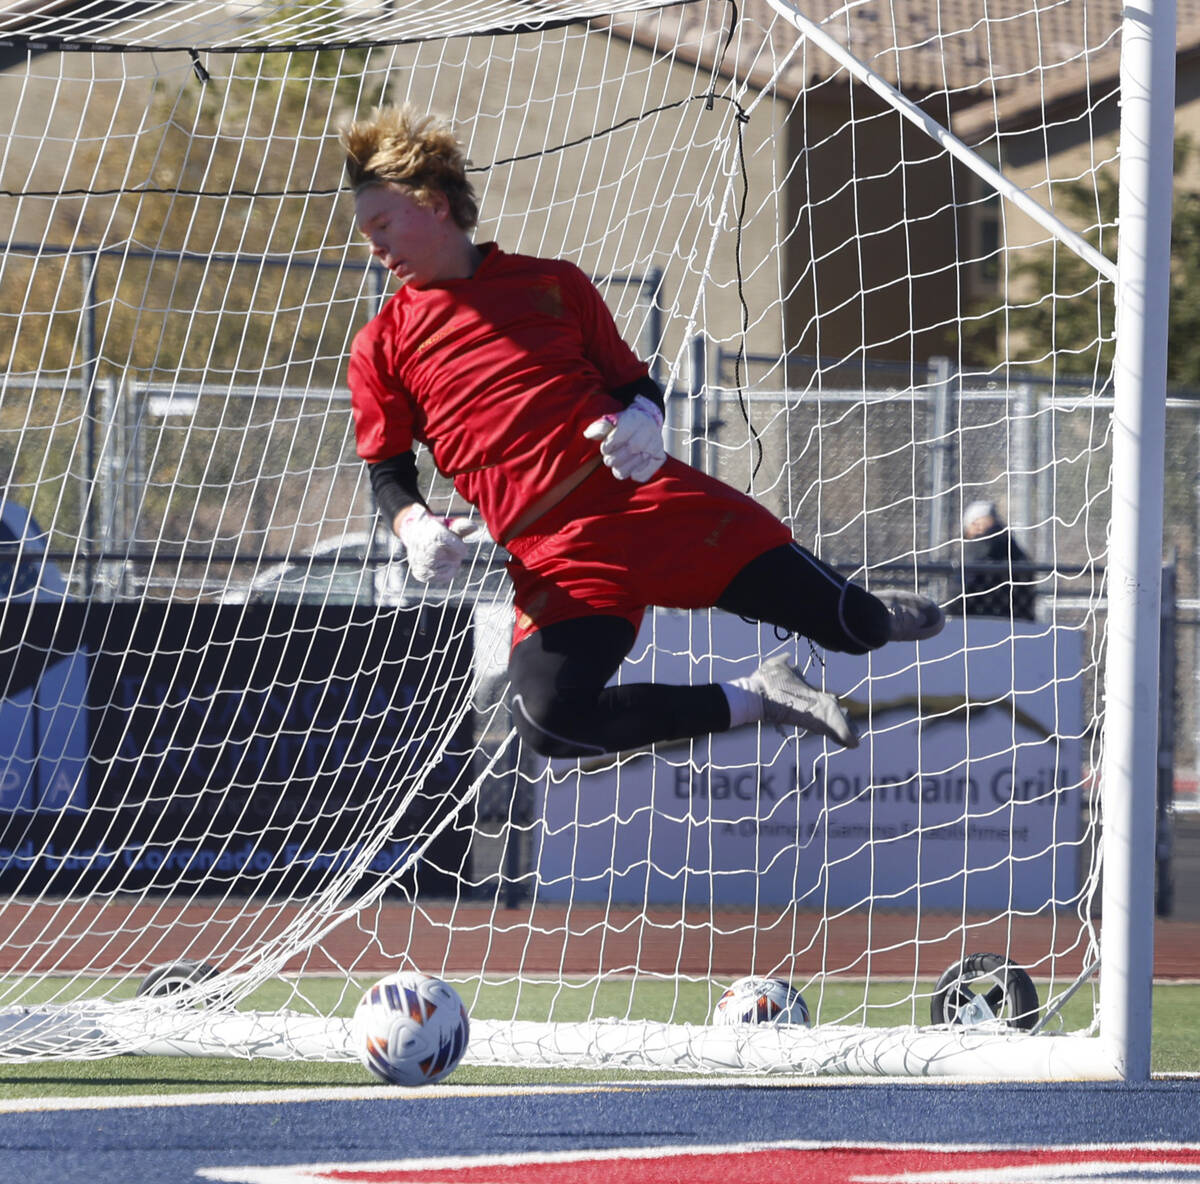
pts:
[869, 252]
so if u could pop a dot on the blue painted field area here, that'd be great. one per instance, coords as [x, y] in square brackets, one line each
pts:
[242, 1139]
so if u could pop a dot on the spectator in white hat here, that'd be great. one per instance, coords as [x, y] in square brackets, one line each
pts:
[997, 574]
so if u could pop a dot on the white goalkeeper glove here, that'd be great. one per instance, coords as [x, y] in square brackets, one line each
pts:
[632, 444]
[435, 546]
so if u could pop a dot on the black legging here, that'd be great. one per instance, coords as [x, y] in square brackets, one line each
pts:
[561, 706]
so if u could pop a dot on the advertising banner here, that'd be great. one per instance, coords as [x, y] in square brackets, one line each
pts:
[966, 793]
[168, 746]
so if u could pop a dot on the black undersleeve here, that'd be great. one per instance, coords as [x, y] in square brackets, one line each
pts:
[394, 483]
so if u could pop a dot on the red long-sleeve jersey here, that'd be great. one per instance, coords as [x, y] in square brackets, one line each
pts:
[498, 375]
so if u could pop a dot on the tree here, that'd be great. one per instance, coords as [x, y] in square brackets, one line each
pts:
[219, 262]
[1059, 316]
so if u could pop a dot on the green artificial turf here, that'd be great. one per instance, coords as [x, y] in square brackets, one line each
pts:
[1176, 1035]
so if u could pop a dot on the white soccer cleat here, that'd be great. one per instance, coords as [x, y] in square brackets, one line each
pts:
[911, 617]
[788, 700]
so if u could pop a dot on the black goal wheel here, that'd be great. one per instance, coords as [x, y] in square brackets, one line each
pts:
[985, 988]
[173, 977]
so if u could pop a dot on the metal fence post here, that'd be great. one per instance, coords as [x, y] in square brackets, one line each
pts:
[696, 452]
[654, 324]
[1021, 502]
[89, 262]
[111, 475]
[943, 452]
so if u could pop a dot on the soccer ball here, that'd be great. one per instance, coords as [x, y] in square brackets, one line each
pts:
[410, 1028]
[754, 1000]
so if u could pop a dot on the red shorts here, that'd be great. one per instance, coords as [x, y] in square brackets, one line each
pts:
[616, 547]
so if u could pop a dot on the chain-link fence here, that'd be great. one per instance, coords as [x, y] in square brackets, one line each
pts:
[176, 477]
[873, 466]
[177, 425]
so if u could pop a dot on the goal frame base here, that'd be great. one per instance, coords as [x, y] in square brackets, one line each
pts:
[100, 1030]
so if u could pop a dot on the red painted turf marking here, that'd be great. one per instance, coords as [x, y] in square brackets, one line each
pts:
[862, 1165]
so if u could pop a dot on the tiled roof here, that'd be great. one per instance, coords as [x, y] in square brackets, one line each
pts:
[995, 59]
[1001, 57]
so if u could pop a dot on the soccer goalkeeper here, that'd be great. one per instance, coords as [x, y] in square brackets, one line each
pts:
[512, 372]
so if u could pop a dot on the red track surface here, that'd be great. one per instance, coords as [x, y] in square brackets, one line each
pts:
[69, 936]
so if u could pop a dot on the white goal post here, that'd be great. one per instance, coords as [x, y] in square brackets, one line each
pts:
[248, 765]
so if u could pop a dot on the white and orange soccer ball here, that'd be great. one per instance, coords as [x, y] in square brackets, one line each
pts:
[757, 1000]
[410, 1028]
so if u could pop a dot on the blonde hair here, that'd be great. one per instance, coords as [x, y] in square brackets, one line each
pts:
[401, 146]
